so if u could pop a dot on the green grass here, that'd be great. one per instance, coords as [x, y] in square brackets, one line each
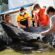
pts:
[9, 52]
[12, 52]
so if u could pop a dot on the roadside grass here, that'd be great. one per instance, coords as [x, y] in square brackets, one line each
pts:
[12, 52]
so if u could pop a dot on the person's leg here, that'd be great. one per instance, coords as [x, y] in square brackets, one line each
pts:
[32, 29]
[26, 29]
[35, 29]
[38, 29]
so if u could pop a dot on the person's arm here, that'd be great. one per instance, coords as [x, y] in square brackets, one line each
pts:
[47, 32]
[36, 18]
[50, 29]
[29, 22]
[19, 24]
[29, 18]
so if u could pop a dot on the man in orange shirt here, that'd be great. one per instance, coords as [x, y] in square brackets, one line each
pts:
[41, 19]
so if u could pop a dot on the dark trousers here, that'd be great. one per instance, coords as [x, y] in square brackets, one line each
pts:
[31, 29]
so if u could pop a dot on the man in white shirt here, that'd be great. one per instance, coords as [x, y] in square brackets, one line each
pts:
[51, 31]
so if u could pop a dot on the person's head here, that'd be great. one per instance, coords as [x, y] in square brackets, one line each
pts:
[22, 10]
[7, 18]
[36, 7]
[50, 11]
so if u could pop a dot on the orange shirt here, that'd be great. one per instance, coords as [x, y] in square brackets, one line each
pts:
[24, 19]
[42, 19]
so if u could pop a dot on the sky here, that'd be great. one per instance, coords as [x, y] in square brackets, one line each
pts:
[18, 3]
